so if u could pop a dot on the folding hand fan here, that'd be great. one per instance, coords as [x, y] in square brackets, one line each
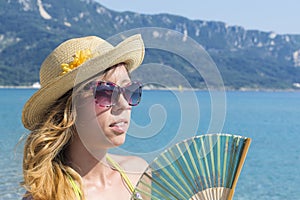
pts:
[204, 167]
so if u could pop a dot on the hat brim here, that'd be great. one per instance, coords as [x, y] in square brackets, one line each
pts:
[130, 51]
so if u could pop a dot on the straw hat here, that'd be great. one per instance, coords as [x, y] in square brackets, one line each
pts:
[59, 72]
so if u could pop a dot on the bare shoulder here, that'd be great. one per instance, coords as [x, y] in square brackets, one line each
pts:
[134, 160]
[131, 164]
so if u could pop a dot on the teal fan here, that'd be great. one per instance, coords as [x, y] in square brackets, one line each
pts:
[204, 167]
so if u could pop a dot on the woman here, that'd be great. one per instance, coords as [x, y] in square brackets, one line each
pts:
[81, 110]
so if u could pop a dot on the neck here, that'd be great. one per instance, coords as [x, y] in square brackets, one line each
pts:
[93, 168]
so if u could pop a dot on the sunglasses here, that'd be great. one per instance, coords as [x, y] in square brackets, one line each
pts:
[107, 94]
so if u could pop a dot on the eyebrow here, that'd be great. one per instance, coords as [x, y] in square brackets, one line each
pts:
[124, 81]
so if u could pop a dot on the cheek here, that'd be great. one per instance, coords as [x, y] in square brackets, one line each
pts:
[86, 120]
[102, 116]
[85, 111]
[91, 128]
[90, 116]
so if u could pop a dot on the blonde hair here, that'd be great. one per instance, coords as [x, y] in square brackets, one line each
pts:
[45, 168]
[46, 173]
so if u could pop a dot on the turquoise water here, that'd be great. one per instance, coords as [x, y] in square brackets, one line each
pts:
[271, 119]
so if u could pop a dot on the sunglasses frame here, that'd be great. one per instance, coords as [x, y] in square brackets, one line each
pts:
[116, 92]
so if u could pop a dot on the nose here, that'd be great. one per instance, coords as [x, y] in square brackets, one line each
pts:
[121, 103]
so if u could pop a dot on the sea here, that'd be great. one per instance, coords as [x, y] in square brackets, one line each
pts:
[270, 118]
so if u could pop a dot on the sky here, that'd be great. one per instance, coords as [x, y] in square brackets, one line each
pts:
[279, 16]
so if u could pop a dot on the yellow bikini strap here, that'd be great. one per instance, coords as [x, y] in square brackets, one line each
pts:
[78, 192]
[123, 174]
[75, 187]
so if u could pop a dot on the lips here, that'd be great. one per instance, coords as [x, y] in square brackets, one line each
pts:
[119, 126]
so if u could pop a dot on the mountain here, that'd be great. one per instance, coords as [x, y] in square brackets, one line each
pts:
[253, 59]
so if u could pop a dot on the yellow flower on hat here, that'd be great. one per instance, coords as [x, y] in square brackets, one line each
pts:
[80, 57]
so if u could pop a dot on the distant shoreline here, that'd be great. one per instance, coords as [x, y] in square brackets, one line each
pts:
[35, 85]
[17, 87]
[179, 89]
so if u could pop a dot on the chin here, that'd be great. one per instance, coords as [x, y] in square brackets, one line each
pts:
[118, 140]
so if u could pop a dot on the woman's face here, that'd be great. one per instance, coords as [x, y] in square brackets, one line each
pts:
[104, 127]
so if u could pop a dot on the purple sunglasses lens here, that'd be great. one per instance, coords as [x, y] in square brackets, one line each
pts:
[133, 93]
[107, 93]
[103, 94]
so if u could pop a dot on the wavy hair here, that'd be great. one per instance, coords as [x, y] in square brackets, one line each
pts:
[45, 170]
